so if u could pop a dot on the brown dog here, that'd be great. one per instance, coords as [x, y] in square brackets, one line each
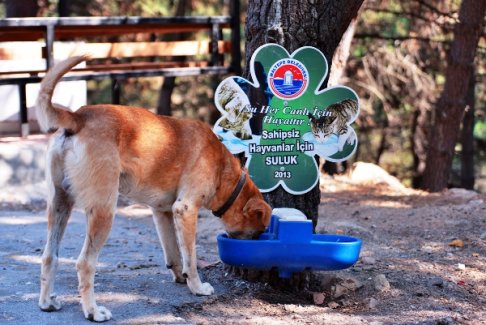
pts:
[175, 166]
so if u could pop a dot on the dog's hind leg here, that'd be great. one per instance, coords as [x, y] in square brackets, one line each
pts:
[58, 212]
[185, 221]
[94, 170]
[100, 220]
[164, 223]
[59, 206]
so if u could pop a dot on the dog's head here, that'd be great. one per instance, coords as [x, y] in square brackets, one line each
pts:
[249, 222]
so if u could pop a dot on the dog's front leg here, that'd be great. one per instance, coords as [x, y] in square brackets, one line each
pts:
[99, 224]
[164, 223]
[185, 221]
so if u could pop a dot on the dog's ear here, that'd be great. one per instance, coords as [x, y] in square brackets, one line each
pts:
[258, 209]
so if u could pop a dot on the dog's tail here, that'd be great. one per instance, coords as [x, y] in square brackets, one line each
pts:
[50, 116]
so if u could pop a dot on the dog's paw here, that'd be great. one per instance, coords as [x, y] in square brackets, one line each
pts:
[99, 314]
[177, 275]
[179, 279]
[49, 305]
[204, 290]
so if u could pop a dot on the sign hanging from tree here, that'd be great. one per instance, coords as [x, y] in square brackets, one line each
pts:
[281, 118]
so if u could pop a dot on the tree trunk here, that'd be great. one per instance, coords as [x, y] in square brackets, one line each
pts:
[467, 139]
[68, 8]
[450, 107]
[420, 128]
[294, 24]
[63, 8]
[164, 103]
[165, 94]
[339, 60]
[341, 55]
[21, 8]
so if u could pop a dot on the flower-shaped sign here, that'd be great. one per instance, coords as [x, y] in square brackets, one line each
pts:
[282, 119]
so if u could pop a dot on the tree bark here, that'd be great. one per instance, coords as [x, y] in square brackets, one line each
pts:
[164, 106]
[451, 105]
[63, 8]
[339, 60]
[341, 55]
[420, 128]
[294, 24]
[467, 138]
[21, 8]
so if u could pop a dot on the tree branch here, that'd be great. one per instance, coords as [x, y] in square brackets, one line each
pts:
[397, 38]
[445, 27]
[437, 11]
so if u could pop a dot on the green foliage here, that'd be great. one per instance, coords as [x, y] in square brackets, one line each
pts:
[146, 8]
[99, 91]
[193, 97]
[359, 50]
[480, 130]
[440, 79]
[209, 8]
[153, 8]
[388, 23]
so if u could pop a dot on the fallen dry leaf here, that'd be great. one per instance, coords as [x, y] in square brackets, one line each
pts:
[457, 243]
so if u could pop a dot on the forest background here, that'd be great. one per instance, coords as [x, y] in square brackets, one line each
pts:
[394, 55]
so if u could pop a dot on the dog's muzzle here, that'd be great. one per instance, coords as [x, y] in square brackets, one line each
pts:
[245, 235]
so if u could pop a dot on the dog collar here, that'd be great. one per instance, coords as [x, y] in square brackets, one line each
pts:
[219, 213]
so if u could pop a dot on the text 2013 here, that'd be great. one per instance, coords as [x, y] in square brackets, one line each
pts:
[282, 174]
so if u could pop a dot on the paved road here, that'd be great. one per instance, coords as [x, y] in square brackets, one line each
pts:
[130, 281]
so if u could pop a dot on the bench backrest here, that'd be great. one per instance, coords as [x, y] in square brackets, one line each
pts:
[120, 47]
[123, 39]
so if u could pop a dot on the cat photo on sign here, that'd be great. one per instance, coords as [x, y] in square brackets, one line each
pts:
[334, 121]
[331, 133]
[235, 104]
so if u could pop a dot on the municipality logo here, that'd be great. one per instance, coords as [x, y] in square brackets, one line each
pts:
[288, 79]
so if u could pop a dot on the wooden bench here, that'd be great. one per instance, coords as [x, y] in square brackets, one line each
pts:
[120, 48]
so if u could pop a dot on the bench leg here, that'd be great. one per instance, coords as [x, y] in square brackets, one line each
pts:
[24, 119]
[115, 91]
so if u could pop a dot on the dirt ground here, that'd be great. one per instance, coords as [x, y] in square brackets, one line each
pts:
[423, 261]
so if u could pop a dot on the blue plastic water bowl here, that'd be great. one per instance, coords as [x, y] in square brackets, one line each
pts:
[289, 245]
